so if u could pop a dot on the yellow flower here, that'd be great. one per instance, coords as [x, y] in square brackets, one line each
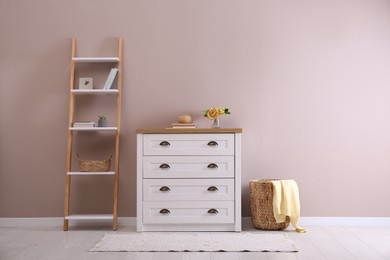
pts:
[213, 113]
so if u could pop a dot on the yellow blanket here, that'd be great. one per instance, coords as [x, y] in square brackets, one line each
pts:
[286, 202]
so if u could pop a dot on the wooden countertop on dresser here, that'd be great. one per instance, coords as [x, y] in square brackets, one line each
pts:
[188, 130]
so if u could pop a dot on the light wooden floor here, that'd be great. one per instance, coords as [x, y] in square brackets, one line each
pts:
[328, 242]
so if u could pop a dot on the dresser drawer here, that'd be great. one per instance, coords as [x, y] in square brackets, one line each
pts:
[188, 189]
[188, 167]
[188, 212]
[188, 144]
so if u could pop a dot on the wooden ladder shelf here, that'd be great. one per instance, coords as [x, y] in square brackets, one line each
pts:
[71, 130]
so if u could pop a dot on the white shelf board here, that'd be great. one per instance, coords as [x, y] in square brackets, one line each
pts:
[90, 173]
[95, 91]
[95, 59]
[93, 128]
[90, 216]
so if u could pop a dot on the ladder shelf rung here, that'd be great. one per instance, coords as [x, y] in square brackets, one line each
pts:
[95, 91]
[95, 59]
[110, 128]
[90, 216]
[90, 173]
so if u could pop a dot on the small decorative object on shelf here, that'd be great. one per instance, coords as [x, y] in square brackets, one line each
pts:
[94, 166]
[102, 121]
[213, 113]
[84, 124]
[86, 83]
[185, 119]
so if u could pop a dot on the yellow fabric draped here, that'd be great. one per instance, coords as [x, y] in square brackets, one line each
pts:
[286, 202]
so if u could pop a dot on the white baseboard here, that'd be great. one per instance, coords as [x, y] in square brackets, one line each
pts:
[344, 221]
[246, 221]
[334, 221]
[59, 221]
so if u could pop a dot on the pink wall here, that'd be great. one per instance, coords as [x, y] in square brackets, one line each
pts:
[308, 81]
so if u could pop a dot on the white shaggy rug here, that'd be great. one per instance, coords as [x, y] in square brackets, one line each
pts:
[194, 242]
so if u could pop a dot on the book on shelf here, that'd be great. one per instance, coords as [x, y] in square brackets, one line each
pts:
[110, 78]
[84, 124]
[179, 125]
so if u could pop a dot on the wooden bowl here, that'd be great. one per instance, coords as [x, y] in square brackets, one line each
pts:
[185, 119]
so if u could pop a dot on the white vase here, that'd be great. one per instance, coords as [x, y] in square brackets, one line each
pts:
[216, 123]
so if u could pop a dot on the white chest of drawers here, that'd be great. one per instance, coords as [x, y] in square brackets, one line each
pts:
[189, 179]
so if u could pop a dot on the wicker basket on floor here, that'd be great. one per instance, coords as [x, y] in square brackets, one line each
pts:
[261, 193]
[94, 166]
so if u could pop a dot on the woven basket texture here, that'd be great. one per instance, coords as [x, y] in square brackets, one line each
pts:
[261, 194]
[94, 165]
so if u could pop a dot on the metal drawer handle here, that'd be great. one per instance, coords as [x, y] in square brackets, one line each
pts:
[165, 211]
[165, 143]
[212, 211]
[212, 143]
[165, 188]
[164, 166]
[212, 188]
[212, 166]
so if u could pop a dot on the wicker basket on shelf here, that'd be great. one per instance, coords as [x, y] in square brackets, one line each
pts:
[261, 194]
[94, 165]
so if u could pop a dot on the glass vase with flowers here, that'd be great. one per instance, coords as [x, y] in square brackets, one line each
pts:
[214, 113]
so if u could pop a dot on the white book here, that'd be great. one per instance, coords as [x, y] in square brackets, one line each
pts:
[182, 124]
[84, 124]
[110, 78]
[176, 126]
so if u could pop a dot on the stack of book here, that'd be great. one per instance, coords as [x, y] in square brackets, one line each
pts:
[84, 124]
[180, 125]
